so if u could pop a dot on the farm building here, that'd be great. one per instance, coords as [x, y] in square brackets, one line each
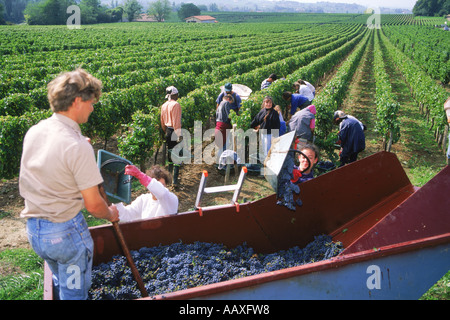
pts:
[201, 19]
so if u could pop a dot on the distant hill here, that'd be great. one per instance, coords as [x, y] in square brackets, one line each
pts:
[278, 6]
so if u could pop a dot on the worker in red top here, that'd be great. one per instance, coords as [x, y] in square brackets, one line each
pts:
[171, 125]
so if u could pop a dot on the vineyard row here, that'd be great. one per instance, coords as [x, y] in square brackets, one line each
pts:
[429, 95]
[387, 123]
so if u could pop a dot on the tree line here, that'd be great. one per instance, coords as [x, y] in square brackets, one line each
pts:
[54, 12]
[432, 8]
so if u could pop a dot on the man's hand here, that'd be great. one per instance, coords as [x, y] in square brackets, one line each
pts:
[114, 213]
[97, 205]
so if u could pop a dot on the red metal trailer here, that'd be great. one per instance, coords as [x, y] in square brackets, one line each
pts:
[396, 236]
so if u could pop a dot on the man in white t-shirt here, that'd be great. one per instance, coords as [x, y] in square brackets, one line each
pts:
[304, 90]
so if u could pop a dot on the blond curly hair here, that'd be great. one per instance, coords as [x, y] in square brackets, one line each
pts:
[63, 90]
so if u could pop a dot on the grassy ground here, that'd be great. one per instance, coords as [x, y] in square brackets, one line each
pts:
[21, 275]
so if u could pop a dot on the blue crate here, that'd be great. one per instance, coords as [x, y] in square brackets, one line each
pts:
[117, 184]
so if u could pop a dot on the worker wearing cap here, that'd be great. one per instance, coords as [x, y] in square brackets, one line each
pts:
[351, 137]
[228, 89]
[447, 111]
[223, 122]
[58, 178]
[171, 126]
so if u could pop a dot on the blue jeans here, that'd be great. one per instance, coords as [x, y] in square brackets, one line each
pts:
[68, 250]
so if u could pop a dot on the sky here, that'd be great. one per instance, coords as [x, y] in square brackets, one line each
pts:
[402, 4]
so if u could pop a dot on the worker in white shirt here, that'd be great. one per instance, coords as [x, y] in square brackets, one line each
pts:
[159, 202]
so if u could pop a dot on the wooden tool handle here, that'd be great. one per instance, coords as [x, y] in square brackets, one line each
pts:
[134, 270]
[124, 247]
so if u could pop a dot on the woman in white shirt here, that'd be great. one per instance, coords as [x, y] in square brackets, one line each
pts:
[159, 202]
[309, 85]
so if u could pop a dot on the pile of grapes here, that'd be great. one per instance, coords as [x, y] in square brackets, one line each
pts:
[181, 266]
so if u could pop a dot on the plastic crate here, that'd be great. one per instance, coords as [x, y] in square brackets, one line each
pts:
[117, 184]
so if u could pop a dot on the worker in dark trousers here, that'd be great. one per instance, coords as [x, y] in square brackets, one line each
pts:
[351, 137]
[171, 125]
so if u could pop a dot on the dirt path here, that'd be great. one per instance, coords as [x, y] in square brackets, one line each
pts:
[360, 101]
[12, 227]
